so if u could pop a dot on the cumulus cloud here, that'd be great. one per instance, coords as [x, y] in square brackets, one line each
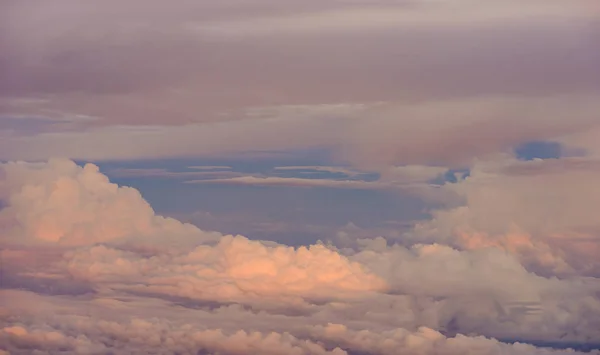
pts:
[85, 335]
[236, 269]
[541, 210]
[65, 204]
[132, 288]
[132, 326]
[422, 341]
[139, 335]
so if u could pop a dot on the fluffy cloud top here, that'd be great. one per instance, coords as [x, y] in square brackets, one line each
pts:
[120, 282]
[236, 269]
[544, 211]
[74, 331]
[64, 204]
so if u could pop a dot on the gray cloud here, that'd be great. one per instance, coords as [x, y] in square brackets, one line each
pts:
[160, 64]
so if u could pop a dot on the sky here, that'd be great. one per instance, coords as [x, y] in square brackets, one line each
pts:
[300, 177]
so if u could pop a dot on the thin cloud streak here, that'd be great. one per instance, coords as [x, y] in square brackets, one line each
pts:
[295, 182]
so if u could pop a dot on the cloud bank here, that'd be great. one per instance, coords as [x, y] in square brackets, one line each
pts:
[121, 279]
[543, 211]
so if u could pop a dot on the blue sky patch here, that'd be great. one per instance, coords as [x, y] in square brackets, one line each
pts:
[539, 150]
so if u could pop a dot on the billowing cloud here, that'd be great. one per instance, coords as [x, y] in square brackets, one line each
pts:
[234, 270]
[132, 288]
[541, 210]
[64, 204]
[133, 325]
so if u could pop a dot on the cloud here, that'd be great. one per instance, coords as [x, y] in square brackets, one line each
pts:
[64, 204]
[455, 133]
[204, 172]
[135, 326]
[408, 90]
[60, 203]
[134, 287]
[412, 173]
[541, 210]
[326, 169]
[236, 269]
[210, 167]
[369, 139]
[392, 17]
[85, 335]
[141, 335]
[150, 66]
[295, 182]
[132, 142]
[584, 142]
[422, 341]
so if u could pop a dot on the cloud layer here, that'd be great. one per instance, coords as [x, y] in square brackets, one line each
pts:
[540, 210]
[120, 282]
[72, 81]
[479, 118]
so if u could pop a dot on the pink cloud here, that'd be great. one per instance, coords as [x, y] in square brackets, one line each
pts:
[542, 211]
[230, 294]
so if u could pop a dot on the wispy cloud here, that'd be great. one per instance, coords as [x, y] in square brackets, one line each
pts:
[210, 167]
[296, 182]
[382, 136]
[164, 173]
[327, 169]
